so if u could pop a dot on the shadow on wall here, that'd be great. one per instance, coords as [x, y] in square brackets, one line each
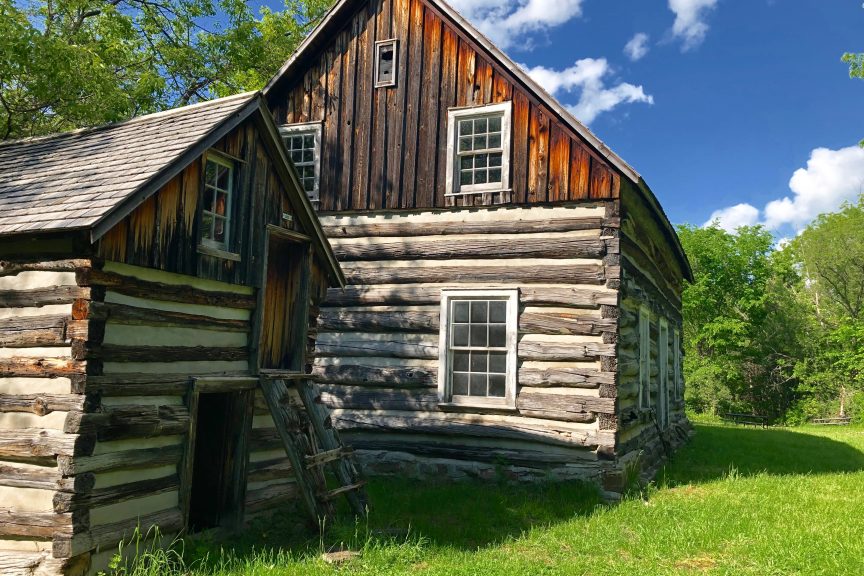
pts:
[719, 448]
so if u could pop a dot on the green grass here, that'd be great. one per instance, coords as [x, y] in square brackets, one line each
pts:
[734, 501]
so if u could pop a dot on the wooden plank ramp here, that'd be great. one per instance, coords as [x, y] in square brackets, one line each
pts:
[313, 455]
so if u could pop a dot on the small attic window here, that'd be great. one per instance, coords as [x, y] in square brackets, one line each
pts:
[386, 60]
[216, 210]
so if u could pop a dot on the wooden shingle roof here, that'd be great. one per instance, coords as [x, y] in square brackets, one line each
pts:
[75, 180]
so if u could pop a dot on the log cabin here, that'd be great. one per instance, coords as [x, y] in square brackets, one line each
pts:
[514, 287]
[153, 274]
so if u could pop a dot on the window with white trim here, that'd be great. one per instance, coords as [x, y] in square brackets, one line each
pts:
[477, 349]
[478, 145]
[217, 201]
[386, 62]
[676, 359]
[644, 358]
[663, 374]
[303, 142]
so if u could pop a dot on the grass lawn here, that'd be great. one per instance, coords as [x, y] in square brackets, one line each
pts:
[734, 501]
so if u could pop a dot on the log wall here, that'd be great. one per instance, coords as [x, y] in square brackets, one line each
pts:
[377, 340]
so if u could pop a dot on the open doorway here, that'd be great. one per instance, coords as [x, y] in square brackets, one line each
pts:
[218, 475]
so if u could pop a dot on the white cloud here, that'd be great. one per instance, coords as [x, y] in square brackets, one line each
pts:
[588, 77]
[830, 178]
[637, 47]
[733, 217]
[690, 26]
[507, 21]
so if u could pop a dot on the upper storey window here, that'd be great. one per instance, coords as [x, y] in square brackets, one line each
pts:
[478, 143]
[216, 210]
[304, 149]
[386, 61]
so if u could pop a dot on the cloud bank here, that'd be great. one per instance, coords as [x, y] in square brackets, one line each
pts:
[637, 47]
[690, 25]
[506, 22]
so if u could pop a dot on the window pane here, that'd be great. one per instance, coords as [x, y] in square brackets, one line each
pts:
[208, 198]
[495, 124]
[221, 206]
[479, 142]
[207, 226]
[479, 311]
[210, 173]
[460, 384]
[308, 141]
[308, 156]
[481, 177]
[466, 162]
[498, 311]
[497, 385]
[478, 385]
[478, 335]
[465, 144]
[309, 185]
[495, 141]
[465, 127]
[220, 229]
[222, 180]
[495, 159]
[479, 361]
[498, 362]
[495, 175]
[481, 160]
[460, 311]
[480, 126]
[297, 156]
[497, 335]
[461, 361]
[460, 335]
[466, 177]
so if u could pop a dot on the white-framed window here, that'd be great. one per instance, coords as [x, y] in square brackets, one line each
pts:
[217, 202]
[477, 349]
[644, 357]
[663, 374]
[303, 142]
[386, 62]
[478, 149]
[676, 359]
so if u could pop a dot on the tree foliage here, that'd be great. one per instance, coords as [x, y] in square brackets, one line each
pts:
[71, 63]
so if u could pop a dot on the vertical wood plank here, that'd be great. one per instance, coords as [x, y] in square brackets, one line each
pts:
[428, 149]
[330, 152]
[306, 106]
[580, 169]
[396, 107]
[380, 129]
[449, 60]
[349, 78]
[502, 90]
[465, 75]
[601, 180]
[415, 66]
[521, 144]
[319, 89]
[482, 82]
[538, 156]
[559, 164]
[363, 112]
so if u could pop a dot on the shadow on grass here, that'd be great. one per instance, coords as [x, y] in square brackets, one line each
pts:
[717, 449]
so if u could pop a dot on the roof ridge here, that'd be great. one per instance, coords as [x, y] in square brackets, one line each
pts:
[135, 119]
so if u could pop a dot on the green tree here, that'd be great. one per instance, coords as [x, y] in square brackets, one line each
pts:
[741, 321]
[71, 63]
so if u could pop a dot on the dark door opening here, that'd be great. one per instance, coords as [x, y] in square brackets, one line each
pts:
[217, 467]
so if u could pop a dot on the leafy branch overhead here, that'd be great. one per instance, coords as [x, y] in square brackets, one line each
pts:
[71, 63]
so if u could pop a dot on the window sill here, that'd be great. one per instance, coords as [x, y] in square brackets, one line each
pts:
[217, 253]
[476, 192]
[478, 407]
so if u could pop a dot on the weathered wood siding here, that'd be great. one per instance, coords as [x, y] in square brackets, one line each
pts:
[377, 346]
[651, 276]
[385, 148]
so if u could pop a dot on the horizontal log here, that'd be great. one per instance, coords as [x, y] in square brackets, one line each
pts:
[117, 353]
[130, 286]
[41, 404]
[563, 273]
[139, 384]
[39, 297]
[357, 374]
[564, 323]
[33, 331]
[108, 535]
[33, 524]
[478, 426]
[133, 315]
[264, 440]
[43, 478]
[564, 377]
[277, 471]
[69, 502]
[40, 367]
[563, 352]
[566, 407]
[386, 345]
[413, 228]
[337, 320]
[359, 398]
[41, 445]
[443, 248]
[396, 295]
[270, 497]
[143, 458]
[121, 422]
[9, 268]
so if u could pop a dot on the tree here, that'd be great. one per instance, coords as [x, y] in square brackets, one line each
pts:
[71, 63]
